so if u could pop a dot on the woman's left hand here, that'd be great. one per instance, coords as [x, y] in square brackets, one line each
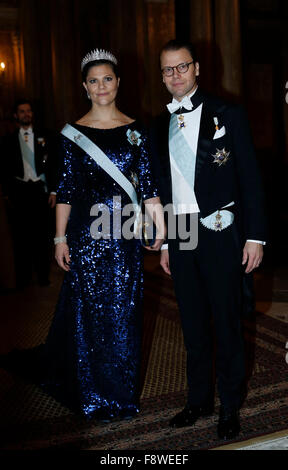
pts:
[157, 245]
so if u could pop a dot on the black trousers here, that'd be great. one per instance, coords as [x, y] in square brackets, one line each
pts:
[30, 221]
[208, 288]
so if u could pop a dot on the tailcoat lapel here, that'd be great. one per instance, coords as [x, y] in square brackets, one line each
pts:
[16, 155]
[37, 150]
[206, 130]
[205, 139]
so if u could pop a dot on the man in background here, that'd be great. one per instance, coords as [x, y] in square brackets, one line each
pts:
[28, 167]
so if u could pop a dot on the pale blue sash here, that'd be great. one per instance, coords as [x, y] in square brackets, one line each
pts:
[27, 153]
[105, 163]
[181, 151]
[29, 157]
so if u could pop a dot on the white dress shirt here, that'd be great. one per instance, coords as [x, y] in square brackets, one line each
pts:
[27, 136]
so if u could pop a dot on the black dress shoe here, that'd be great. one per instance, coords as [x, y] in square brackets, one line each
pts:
[190, 414]
[229, 423]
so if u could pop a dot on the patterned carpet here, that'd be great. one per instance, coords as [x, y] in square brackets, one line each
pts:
[32, 420]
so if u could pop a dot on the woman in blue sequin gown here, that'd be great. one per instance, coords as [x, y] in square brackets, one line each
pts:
[93, 346]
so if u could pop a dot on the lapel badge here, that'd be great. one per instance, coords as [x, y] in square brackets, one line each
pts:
[221, 156]
[181, 121]
[41, 141]
[216, 122]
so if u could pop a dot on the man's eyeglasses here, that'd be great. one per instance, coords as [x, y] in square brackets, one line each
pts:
[181, 68]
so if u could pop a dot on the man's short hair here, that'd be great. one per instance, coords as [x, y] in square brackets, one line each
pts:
[176, 44]
[19, 102]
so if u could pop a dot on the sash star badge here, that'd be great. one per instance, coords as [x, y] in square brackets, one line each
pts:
[218, 222]
[221, 157]
[77, 137]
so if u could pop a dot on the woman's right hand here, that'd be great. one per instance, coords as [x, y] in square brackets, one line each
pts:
[62, 256]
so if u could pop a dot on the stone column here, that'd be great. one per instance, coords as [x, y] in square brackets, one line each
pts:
[228, 40]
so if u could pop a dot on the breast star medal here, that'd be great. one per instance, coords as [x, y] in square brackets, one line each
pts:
[181, 121]
[221, 157]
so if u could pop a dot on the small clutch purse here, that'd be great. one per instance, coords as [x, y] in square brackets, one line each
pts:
[148, 233]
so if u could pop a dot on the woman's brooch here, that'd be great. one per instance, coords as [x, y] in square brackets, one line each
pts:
[133, 137]
[134, 179]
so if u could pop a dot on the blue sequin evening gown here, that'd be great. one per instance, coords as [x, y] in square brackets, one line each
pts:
[93, 346]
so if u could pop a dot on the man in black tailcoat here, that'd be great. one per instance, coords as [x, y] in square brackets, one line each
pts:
[204, 158]
[28, 176]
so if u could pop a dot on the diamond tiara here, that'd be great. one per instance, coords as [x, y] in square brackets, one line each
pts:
[98, 54]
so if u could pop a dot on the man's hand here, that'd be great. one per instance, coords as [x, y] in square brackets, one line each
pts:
[164, 261]
[252, 255]
[52, 200]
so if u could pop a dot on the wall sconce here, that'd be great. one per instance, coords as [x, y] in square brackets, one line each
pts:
[2, 67]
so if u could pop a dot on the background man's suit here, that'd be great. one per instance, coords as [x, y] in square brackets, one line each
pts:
[28, 203]
[208, 280]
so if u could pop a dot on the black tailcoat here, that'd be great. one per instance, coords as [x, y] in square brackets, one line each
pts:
[28, 209]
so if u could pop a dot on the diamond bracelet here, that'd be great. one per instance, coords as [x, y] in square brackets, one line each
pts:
[60, 240]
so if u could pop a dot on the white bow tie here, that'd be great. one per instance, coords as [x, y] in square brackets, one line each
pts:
[184, 103]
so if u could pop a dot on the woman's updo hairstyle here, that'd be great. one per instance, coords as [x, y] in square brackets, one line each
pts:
[94, 63]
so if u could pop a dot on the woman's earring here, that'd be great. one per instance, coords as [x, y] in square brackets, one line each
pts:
[88, 96]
